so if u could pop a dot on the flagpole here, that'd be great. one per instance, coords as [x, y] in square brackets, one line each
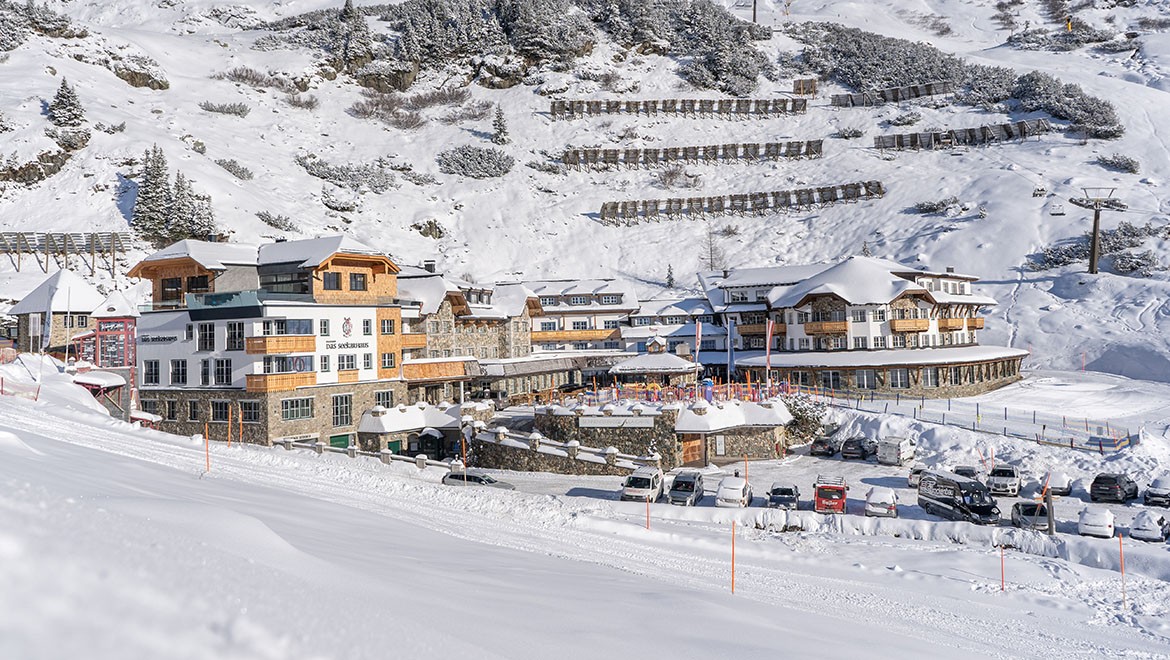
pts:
[768, 355]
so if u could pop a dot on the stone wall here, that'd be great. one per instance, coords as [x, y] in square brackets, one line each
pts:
[58, 334]
[485, 339]
[755, 442]
[974, 379]
[502, 457]
[661, 438]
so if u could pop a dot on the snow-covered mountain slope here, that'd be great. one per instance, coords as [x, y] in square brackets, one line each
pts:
[532, 223]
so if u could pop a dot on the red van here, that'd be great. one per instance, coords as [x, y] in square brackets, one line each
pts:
[829, 494]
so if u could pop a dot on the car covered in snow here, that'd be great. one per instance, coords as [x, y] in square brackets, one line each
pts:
[915, 475]
[1150, 526]
[783, 496]
[881, 502]
[474, 477]
[860, 448]
[1030, 515]
[1059, 483]
[1114, 487]
[687, 488]
[1158, 492]
[644, 483]
[733, 492]
[1004, 480]
[1096, 522]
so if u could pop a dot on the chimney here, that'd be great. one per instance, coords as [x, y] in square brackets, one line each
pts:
[950, 269]
[429, 265]
[726, 273]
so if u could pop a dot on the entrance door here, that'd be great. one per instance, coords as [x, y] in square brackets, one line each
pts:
[692, 451]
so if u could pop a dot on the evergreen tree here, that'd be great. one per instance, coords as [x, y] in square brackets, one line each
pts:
[354, 45]
[865, 249]
[181, 212]
[203, 221]
[65, 110]
[154, 197]
[500, 127]
[670, 276]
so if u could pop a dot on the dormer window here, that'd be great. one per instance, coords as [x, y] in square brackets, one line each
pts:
[548, 301]
[578, 300]
[738, 296]
[611, 299]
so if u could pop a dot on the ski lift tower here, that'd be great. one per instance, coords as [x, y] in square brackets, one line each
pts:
[1096, 198]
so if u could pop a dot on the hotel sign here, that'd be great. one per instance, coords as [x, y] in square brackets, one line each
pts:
[157, 339]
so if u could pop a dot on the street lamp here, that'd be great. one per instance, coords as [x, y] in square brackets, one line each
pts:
[1096, 199]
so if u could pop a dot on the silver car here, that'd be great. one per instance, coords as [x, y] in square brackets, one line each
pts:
[474, 477]
[687, 488]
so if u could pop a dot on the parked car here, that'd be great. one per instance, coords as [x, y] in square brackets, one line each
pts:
[783, 496]
[1058, 482]
[687, 488]
[1113, 486]
[882, 502]
[825, 445]
[915, 475]
[734, 492]
[475, 477]
[958, 498]
[1004, 480]
[829, 494]
[570, 388]
[1030, 515]
[970, 472]
[895, 451]
[1096, 522]
[1158, 492]
[861, 448]
[1150, 526]
[644, 483]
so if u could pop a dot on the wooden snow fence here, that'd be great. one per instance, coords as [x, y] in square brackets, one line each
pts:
[891, 94]
[972, 137]
[83, 248]
[755, 203]
[651, 157]
[695, 108]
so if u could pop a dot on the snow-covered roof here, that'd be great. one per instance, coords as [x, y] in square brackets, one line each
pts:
[409, 418]
[100, 379]
[427, 288]
[856, 280]
[655, 363]
[310, 252]
[594, 287]
[686, 330]
[723, 415]
[673, 307]
[757, 277]
[66, 292]
[116, 305]
[889, 357]
[212, 256]
[944, 298]
[511, 298]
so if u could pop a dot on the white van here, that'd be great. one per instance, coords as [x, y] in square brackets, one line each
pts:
[895, 451]
[643, 484]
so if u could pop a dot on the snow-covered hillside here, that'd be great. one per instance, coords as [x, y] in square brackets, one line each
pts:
[533, 223]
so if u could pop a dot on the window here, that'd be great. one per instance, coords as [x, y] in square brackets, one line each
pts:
[804, 343]
[879, 342]
[76, 321]
[803, 317]
[235, 336]
[219, 411]
[150, 406]
[150, 372]
[578, 300]
[205, 372]
[611, 300]
[293, 409]
[548, 325]
[250, 411]
[879, 315]
[387, 360]
[707, 345]
[866, 379]
[611, 345]
[580, 346]
[930, 377]
[223, 372]
[898, 341]
[357, 281]
[206, 337]
[861, 343]
[172, 288]
[643, 320]
[738, 296]
[384, 398]
[387, 326]
[548, 301]
[838, 343]
[189, 332]
[331, 281]
[171, 410]
[342, 409]
[197, 284]
[674, 320]
[287, 327]
[899, 378]
[610, 325]
[761, 295]
[367, 326]
[831, 380]
[323, 325]
[367, 360]
[346, 362]
[192, 410]
[752, 318]
[324, 363]
[285, 364]
[800, 378]
[580, 325]
[858, 316]
[178, 372]
[432, 327]
[755, 342]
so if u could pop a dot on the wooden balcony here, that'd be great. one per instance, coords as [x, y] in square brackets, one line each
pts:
[975, 323]
[436, 371]
[280, 344]
[347, 375]
[280, 382]
[414, 340]
[946, 325]
[826, 327]
[909, 325]
[553, 336]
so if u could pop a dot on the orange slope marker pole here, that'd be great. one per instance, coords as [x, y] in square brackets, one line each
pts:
[229, 425]
[207, 445]
[1121, 549]
[732, 556]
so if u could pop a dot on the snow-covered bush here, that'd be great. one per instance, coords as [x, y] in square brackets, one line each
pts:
[1093, 116]
[5, 125]
[475, 162]
[306, 102]
[936, 206]
[69, 139]
[808, 416]
[441, 96]
[237, 170]
[13, 29]
[1120, 162]
[1138, 264]
[1114, 242]
[1059, 39]
[419, 178]
[1119, 45]
[474, 111]
[905, 119]
[281, 222]
[850, 132]
[546, 167]
[375, 177]
[19, 19]
[110, 128]
[237, 109]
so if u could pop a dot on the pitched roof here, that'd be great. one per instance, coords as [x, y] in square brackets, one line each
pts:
[68, 291]
[655, 363]
[856, 280]
[309, 253]
[116, 305]
[212, 256]
[730, 414]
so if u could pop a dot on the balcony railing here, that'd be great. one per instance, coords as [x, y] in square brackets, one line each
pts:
[442, 370]
[280, 382]
[826, 327]
[414, 340]
[946, 325]
[975, 323]
[909, 325]
[539, 336]
[280, 344]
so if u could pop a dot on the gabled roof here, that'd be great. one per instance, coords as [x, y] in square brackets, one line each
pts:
[116, 305]
[427, 288]
[857, 281]
[655, 363]
[730, 414]
[593, 287]
[307, 253]
[212, 256]
[410, 418]
[67, 291]
[311, 252]
[673, 307]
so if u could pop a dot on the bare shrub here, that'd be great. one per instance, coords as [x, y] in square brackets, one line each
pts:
[441, 96]
[245, 75]
[474, 111]
[237, 109]
[936, 206]
[306, 102]
[406, 120]
[850, 132]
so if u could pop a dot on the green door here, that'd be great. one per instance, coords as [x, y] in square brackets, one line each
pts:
[394, 446]
[339, 440]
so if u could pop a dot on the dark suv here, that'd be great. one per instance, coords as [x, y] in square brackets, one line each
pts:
[1113, 486]
[860, 447]
[824, 446]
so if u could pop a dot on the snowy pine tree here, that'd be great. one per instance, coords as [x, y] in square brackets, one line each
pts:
[203, 221]
[181, 212]
[670, 276]
[154, 197]
[713, 257]
[500, 128]
[354, 46]
[65, 110]
[865, 249]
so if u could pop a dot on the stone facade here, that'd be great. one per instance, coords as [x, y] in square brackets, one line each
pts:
[503, 457]
[954, 380]
[755, 442]
[660, 438]
[59, 334]
[449, 335]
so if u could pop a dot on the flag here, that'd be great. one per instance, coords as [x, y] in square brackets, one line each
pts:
[768, 354]
[730, 348]
[698, 338]
[47, 326]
